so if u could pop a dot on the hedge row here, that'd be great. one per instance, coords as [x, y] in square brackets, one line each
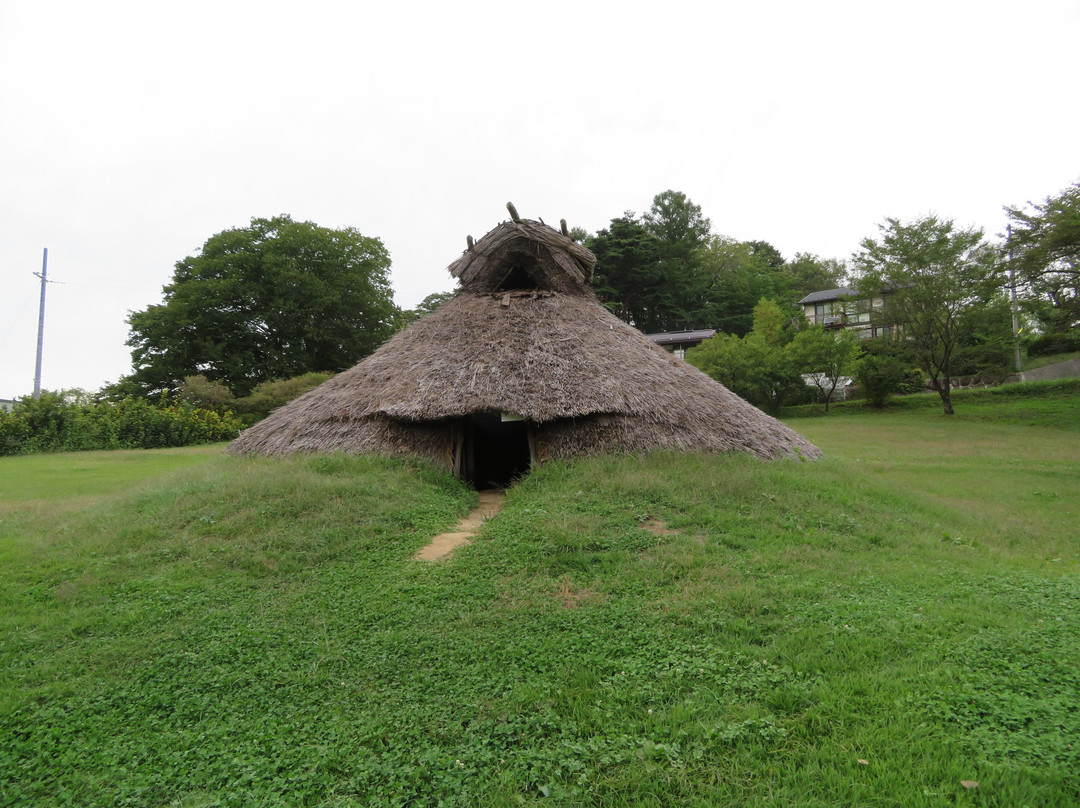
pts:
[1055, 343]
[56, 423]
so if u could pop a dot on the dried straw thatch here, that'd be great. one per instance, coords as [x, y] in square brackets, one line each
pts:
[524, 336]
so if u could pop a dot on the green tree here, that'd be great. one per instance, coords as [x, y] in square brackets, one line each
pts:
[766, 252]
[879, 376]
[985, 347]
[628, 278]
[409, 316]
[678, 223]
[667, 271]
[932, 275]
[681, 229]
[826, 357]
[730, 279]
[1046, 248]
[731, 361]
[886, 368]
[750, 368]
[772, 324]
[646, 267]
[275, 299]
[807, 273]
[756, 366]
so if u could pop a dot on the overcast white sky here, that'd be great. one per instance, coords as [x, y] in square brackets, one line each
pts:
[130, 132]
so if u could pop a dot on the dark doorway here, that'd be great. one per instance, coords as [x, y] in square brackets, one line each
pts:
[521, 271]
[495, 451]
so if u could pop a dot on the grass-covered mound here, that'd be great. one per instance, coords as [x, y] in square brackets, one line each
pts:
[876, 628]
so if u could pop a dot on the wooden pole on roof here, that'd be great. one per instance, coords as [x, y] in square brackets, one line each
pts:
[513, 212]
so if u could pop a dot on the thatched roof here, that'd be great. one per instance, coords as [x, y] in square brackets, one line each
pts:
[587, 381]
[552, 260]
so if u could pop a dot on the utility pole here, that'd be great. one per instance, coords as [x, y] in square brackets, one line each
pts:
[1012, 286]
[41, 322]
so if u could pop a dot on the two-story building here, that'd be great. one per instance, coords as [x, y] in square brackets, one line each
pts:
[835, 309]
[845, 307]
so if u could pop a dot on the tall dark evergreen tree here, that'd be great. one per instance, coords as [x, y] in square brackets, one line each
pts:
[678, 223]
[627, 277]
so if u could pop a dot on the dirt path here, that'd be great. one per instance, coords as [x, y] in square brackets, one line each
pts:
[444, 544]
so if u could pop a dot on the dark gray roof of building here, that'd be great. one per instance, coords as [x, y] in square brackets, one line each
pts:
[829, 294]
[669, 337]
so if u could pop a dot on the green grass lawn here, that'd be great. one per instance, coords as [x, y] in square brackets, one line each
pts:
[887, 626]
[74, 479]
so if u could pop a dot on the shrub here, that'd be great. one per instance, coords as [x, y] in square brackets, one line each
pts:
[201, 392]
[66, 422]
[1055, 342]
[880, 376]
[914, 382]
[275, 393]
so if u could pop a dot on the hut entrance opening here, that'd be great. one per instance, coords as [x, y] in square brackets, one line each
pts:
[493, 451]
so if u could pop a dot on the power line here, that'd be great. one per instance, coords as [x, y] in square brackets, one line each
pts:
[14, 320]
[129, 285]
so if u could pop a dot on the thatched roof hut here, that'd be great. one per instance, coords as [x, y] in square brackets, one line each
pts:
[521, 365]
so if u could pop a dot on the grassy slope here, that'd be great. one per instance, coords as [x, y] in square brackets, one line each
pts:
[1044, 403]
[1033, 362]
[254, 632]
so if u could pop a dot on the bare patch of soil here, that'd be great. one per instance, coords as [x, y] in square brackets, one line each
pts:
[570, 596]
[658, 528]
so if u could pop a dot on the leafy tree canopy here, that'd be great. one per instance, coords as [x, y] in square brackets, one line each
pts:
[731, 278]
[645, 267]
[426, 306]
[806, 273]
[986, 344]
[579, 234]
[827, 357]
[666, 271]
[933, 277]
[767, 252]
[199, 391]
[771, 324]
[1046, 246]
[677, 223]
[756, 366]
[273, 300]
